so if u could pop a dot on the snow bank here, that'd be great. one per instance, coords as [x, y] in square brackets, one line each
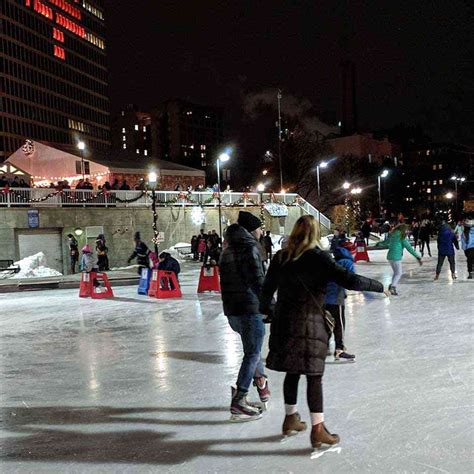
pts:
[34, 266]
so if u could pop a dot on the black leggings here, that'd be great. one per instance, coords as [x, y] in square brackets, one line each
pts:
[314, 391]
[338, 313]
[427, 243]
[470, 259]
[452, 264]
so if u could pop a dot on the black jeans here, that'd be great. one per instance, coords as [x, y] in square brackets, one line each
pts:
[452, 264]
[338, 313]
[314, 391]
[427, 243]
[470, 259]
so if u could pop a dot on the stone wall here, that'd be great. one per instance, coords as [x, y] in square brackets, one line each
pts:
[120, 224]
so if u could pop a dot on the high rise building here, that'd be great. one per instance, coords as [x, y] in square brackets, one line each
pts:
[53, 74]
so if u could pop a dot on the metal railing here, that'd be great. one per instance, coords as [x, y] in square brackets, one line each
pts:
[49, 197]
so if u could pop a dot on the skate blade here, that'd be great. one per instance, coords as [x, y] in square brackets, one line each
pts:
[341, 361]
[325, 448]
[264, 406]
[244, 418]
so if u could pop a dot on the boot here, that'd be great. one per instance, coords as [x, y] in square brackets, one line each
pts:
[241, 409]
[436, 277]
[292, 423]
[455, 277]
[320, 435]
[261, 384]
[470, 276]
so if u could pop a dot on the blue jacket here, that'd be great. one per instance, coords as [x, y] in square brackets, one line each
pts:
[336, 294]
[446, 241]
[469, 242]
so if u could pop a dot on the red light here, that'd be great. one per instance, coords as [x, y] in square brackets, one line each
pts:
[59, 52]
[67, 7]
[42, 9]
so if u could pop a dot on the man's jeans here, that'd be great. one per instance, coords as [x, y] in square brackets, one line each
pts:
[252, 332]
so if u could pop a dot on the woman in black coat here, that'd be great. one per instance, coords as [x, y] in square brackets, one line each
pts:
[298, 334]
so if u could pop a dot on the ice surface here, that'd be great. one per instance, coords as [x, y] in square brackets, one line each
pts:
[143, 385]
[34, 266]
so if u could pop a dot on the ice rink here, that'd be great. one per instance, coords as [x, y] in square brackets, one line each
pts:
[143, 385]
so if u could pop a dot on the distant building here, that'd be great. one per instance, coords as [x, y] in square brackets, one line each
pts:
[53, 78]
[426, 175]
[187, 133]
[131, 131]
[375, 150]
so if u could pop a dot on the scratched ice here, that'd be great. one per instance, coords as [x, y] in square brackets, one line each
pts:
[140, 385]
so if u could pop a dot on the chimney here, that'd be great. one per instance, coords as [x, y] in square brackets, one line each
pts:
[349, 109]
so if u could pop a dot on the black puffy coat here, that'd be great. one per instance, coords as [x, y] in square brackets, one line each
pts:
[298, 336]
[169, 264]
[242, 274]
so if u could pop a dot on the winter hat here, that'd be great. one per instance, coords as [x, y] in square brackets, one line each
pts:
[249, 221]
[86, 249]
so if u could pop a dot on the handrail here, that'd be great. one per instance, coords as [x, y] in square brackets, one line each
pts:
[49, 197]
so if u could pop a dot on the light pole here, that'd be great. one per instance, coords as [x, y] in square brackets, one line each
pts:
[279, 138]
[261, 189]
[323, 164]
[379, 177]
[457, 179]
[152, 179]
[223, 157]
[82, 146]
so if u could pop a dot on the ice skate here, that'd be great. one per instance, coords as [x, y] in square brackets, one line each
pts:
[261, 383]
[292, 425]
[470, 276]
[393, 290]
[436, 278]
[320, 436]
[454, 276]
[241, 410]
[341, 355]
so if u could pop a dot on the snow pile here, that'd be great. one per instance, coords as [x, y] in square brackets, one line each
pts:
[177, 251]
[34, 267]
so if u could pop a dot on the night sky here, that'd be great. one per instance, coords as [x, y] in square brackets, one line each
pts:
[414, 59]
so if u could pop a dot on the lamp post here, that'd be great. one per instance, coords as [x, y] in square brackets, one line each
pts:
[323, 164]
[384, 174]
[81, 147]
[261, 189]
[279, 96]
[223, 157]
[456, 179]
[152, 179]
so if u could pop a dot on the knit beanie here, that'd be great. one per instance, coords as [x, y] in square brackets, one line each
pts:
[249, 221]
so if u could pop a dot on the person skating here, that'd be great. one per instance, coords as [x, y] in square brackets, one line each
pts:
[201, 245]
[425, 235]
[366, 229]
[242, 274]
[268, 245]
[397, 242]
[141, 253]
[335, 303]
[467, 243]
[298, 334]
[415, 232]
[102, 253]
[73, 252]
[446, 242]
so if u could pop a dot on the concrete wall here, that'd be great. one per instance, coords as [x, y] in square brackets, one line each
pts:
[121, 224]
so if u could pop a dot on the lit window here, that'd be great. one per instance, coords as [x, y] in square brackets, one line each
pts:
[423, 183]
[123, 113]
[138, 151]
[123, 130]
[203, 147]
[124, 146]
[203, 163]
[434, 167]
[435, 182]
[427, 152]
[428, 190]
[185, 153]
[440, 181]
[145, 152]
[203, 155]
[144, 128]
[191, 146]
[124, 138]
[440, 167]
[136, 127]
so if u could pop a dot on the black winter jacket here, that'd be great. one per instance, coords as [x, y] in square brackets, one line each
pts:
[298, 336]
[241, 271]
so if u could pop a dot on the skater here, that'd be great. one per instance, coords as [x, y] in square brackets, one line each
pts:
[194, 247]
[201, 245]
[73, 252]
[102, 253]
[88, 260]
[366, 229]
[458, 230]
[298, 333]
[384, 230]
[446, 243]
[268, 245]
[338, 239]
[141, 253]
[467, 243]
[242, 277]
[168, 263]
[415, 232]
[425, 235]
[334, 303]
[398, 241]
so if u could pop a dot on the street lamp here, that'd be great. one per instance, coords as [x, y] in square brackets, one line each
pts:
[265, 172]
[346, 185]
[356, 190]
[384, 174]
[457, 179]
[223, 157]
[449, 195]
[81, 147]
[323, 164]
[152, 179]
[261, 189]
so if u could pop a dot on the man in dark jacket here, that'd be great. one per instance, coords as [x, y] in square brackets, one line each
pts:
[73, 252]
[140, 253]
[242, 275]
[446, 242]
[170, 264]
